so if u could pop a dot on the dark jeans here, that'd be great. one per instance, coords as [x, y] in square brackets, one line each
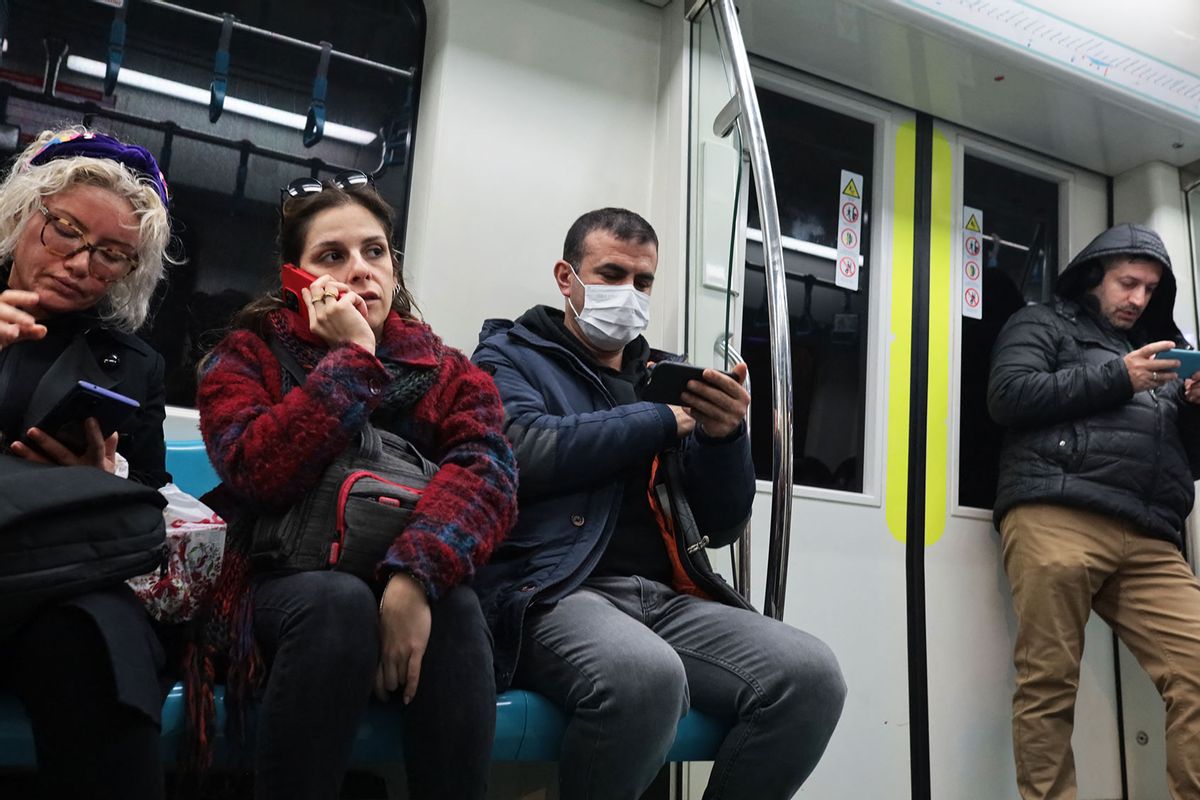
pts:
[88, 744]
[320, 633]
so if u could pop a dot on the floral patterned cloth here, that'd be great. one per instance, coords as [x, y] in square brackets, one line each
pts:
[191, 559]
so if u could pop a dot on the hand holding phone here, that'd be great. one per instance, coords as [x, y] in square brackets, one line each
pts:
[82, 424]
[294, 281]
[338, 314]
[717, 403]
[668, 381]
[1189, 361]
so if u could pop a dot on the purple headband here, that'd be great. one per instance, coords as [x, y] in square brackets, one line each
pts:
[98, 145]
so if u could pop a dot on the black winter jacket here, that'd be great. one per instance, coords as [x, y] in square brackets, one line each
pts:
[1077, 433]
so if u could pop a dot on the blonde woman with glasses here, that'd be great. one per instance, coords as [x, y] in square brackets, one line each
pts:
[83, 230]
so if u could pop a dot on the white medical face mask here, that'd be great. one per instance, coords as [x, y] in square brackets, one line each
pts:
[612, 316]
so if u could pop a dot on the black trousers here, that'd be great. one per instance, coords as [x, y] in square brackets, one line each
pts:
[88, 744]
[320, 633]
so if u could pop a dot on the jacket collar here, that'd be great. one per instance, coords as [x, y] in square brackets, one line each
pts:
[518, 332]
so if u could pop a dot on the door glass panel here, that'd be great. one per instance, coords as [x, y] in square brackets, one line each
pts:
[1020, 241]
[810, 146]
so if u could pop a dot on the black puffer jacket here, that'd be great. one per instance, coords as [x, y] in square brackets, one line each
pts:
[1077, 433]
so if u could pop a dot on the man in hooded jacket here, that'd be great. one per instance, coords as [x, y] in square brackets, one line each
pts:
[602, 598]
[1096, 480]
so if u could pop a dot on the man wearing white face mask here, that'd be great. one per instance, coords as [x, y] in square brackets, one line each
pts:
[601, 598]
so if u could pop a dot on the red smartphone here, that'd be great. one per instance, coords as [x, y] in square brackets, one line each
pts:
[293, 280]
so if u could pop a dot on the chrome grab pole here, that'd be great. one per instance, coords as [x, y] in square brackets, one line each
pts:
[754, 138]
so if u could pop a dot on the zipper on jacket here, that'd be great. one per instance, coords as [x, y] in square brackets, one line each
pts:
[1158, 418]
[335, 548]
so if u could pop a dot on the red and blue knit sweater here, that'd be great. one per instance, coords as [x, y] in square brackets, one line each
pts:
[269, 448]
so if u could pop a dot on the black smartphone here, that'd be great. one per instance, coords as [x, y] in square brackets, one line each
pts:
[668, 380]
[65, 420]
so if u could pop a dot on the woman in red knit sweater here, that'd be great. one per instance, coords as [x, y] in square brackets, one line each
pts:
[327, 638]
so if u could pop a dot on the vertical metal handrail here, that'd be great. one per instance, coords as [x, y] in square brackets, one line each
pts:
[754, 138]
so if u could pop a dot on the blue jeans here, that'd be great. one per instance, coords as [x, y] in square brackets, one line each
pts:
[626, 657]
[320, 634]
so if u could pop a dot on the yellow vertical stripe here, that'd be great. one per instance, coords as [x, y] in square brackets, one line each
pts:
[941, 314]
[900, 333]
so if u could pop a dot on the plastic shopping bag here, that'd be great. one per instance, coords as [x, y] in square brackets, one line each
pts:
[192, 559]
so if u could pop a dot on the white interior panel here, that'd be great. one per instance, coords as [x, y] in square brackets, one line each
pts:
[893, 50]
[510, 151]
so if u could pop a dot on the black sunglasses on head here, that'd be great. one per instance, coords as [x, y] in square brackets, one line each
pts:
[303, 187]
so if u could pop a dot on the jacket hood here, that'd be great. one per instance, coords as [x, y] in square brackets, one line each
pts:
[493, 326]
[1157, 321]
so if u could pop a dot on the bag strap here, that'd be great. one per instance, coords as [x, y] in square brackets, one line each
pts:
[287, 361]
[370, 444]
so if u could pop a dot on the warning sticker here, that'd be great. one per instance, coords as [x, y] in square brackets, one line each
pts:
[972, 270]
[849, 238]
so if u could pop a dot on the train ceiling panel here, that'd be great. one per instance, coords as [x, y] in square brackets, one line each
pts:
[1002, 67]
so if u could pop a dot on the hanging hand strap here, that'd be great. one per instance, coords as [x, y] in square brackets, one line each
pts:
[314, 126]
[116, 50]
[220, 80]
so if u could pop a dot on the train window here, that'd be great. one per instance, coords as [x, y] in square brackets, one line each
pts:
[810, 146]
[224, 175]
[1020, 235]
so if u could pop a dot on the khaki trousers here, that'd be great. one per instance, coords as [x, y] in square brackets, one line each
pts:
[1062, 562]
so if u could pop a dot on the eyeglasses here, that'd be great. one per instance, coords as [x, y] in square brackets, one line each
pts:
[303, 187]
[61, 238]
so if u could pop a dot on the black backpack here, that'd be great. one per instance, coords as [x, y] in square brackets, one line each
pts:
[65, 531]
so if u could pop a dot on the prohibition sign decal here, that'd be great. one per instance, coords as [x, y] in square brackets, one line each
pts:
[849, 238]
[972, 270]
[847, 266]
[850, 212]
[972, 297]
[972, 246]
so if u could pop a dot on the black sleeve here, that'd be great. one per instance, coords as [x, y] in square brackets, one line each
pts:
[1027, 389]
[141, 442]
[1189, 432]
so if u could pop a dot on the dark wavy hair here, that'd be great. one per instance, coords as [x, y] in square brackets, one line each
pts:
[295, 219]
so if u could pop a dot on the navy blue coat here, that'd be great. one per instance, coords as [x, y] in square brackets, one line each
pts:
[574, 445]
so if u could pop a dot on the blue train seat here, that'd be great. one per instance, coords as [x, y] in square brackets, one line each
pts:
[190, 468]
[528, 726]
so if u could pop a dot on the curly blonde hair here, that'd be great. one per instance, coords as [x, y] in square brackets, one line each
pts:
[127, 302]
